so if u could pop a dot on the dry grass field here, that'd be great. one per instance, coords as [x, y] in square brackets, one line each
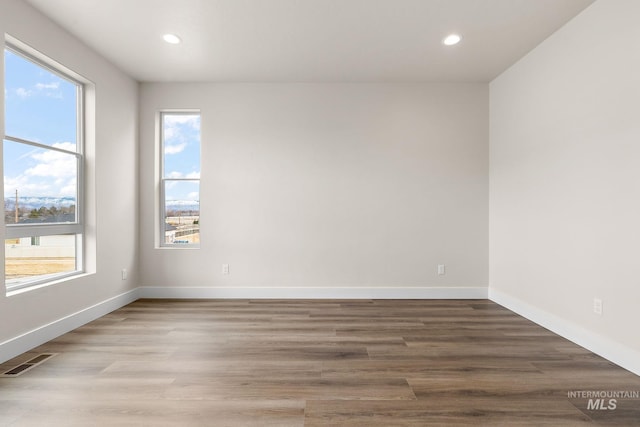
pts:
[189, 238]
[192, 238]
[16, 268]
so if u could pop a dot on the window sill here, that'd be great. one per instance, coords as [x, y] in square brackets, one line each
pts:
[179, 247]
[58, 279]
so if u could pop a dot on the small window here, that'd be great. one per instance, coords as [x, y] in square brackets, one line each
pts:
[43, 169]
[180, 179]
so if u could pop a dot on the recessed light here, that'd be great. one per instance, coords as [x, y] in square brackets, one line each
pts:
[171, 38]
[451, 39]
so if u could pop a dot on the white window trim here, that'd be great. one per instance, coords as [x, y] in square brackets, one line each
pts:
[75, 228]
[162, 182]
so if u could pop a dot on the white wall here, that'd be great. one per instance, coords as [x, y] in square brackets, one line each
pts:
[565, 181]
[111, 192]
[314, 187]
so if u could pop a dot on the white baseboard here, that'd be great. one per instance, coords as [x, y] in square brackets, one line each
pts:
[29, 340]
[316, 293]
[613, 351]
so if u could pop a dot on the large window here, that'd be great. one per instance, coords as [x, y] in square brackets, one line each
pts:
[43, 171]
[180, 179]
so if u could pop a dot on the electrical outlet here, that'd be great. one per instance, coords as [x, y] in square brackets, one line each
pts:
[225, 268]
[124, 274]
[597, 306]
[441, 270]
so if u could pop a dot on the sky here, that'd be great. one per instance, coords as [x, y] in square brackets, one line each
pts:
[41, 106]
[181, 136]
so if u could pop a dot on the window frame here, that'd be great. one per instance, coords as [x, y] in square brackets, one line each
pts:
[77, 227]
[162, 180]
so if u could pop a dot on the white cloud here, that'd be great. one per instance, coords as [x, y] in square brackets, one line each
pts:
[169, 133]
[178, 131]
[24, 185]
[54, 164]
[193, 195]
[69, 189]
[51, 90]
[176, 175]
[51, 173]
[44, 86]
[175, 149]
[192, 120]
[23, 93]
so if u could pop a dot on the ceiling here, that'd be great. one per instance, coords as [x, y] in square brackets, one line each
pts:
[312, 40]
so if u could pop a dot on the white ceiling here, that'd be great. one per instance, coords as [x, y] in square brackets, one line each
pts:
[312, 40]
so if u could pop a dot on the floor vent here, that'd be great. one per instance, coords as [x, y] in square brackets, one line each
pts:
[24, 367]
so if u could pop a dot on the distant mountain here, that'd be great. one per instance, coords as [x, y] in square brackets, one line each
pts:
[28, 202]
[182, 205]
[36, 202]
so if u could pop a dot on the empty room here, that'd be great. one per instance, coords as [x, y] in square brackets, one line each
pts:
[320, 212]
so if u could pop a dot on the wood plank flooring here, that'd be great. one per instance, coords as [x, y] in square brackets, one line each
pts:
[313, 363]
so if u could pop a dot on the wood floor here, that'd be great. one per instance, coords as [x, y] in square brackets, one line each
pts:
[313, 363]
